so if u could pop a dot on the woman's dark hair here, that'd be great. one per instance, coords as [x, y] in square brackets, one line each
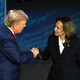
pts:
[68, 27]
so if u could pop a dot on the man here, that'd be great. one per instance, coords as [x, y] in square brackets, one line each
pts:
[10, 55]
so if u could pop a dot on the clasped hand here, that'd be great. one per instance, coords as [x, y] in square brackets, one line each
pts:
[35, 52]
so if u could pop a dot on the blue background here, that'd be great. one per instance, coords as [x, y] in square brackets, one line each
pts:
[42, 15]
[41, 24]
[1, 11]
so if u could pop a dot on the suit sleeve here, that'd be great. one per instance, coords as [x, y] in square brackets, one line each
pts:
[10, 50]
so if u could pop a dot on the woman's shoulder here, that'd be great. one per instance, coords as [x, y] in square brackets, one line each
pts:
[53, 36]
[76, 39]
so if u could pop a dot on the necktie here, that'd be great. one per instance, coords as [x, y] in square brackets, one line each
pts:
[14, 36]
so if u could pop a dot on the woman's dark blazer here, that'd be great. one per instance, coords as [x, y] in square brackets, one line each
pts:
[65, 66]
[10, 56]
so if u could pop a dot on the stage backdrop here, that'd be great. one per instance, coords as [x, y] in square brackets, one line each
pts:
[42, 15]
[2, 11]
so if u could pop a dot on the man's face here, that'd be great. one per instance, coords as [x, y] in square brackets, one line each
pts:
[20, 26]
[59, 29]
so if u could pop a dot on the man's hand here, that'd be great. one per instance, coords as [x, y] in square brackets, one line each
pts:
[35, 52]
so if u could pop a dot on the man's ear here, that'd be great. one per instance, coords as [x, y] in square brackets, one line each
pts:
[14, 26]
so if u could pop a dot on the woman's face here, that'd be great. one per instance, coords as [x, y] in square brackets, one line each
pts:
[59, 29]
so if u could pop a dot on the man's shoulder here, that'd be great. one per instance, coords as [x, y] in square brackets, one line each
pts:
[1, 27]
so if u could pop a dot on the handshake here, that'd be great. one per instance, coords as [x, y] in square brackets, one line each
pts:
[35, 52]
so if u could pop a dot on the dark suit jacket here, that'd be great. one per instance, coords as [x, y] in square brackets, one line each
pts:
[10, 56]
[65, 66]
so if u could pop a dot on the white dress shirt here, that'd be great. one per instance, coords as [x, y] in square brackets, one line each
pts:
[61, 47]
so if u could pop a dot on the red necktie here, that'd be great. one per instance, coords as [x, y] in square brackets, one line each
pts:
[14, 36]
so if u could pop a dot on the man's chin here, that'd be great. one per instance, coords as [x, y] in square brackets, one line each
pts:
[18, 32]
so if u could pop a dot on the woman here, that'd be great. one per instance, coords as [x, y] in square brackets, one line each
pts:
[64, 49]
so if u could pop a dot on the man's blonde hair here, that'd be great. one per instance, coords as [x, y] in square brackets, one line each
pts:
[15, 16]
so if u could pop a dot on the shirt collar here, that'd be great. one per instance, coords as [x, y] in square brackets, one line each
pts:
[10, 30]
[61, 40]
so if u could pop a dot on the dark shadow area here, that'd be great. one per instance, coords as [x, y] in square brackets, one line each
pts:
[38, 70]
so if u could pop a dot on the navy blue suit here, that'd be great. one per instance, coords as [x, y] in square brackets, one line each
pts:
[65, 66]
[10, 56]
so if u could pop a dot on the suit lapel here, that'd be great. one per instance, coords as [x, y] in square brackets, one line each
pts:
[65, 50]
[56, 45]
[68, 47]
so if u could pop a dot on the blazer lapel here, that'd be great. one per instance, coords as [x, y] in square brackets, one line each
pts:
[65, 50]
[68, 47]
[57, 46]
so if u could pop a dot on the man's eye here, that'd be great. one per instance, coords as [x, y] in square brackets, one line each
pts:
[58, 28]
